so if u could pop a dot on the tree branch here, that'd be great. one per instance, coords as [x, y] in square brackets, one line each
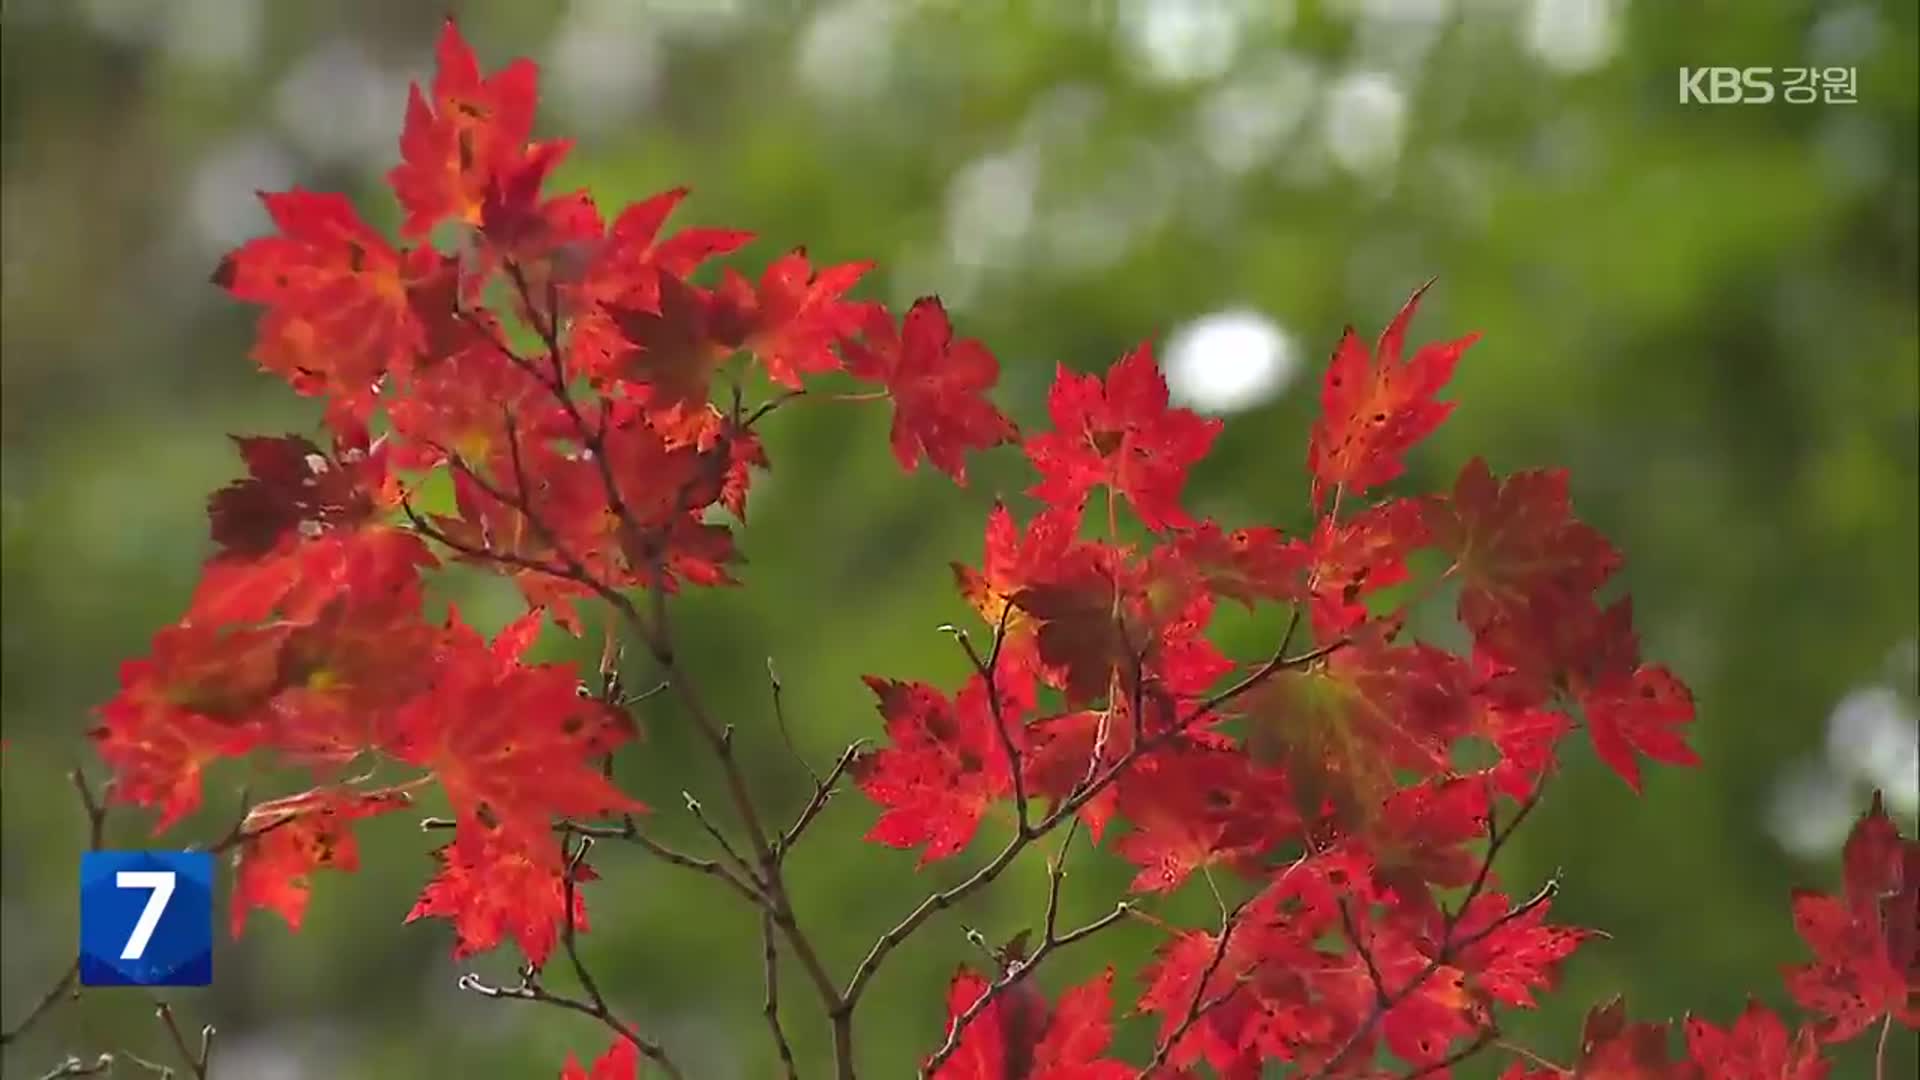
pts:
[96, 834]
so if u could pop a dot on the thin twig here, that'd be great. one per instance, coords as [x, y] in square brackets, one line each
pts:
[1880, 1050]
[780, 720]
[988, 670]
[770, 954]
[740, 865]
[822, 794]
[196, 1062]
[96, 835]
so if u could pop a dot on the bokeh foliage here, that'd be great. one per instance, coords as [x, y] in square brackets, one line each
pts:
[1706, 312]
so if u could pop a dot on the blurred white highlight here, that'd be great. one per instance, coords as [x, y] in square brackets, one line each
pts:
[1229, 361]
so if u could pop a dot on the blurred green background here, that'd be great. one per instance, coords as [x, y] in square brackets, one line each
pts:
[1706, 312]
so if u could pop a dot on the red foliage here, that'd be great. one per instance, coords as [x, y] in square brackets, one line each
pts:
[1319, 780]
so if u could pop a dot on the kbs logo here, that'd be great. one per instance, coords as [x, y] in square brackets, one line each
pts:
[1726, 86]
[1758, 86]
[146, 918]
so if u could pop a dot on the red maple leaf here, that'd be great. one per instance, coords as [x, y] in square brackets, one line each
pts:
[1866, 946]
[1018, 1037]
[474, 130]
[285, 840]
[1248, 565]
[343, 675]
[1631, 708]
[193, 700]
[937, 385]
[1512, 956]
[1105, 623]
[1119, 432]
[1417, 840]
[792, 319]
[624, 273]
[338, 315]
[1014, 558]
[1373, 408]
[673, 350]
[492, 891]
[1196, 805]
[945, 763]
[1523, 560]
[1342, 727]
[512, 745]
[1614, 1048]
[1361, 555]
[1755, 1047]
[293, 487]
[620, 1062]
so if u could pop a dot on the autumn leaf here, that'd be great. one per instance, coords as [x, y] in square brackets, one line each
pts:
[1342, 727]
[1631, 709]
[944, 764]
[283, 841]
[1614, 1048]
[1019, 1037]
[492, 892]
[937, 384]
[793, 317]
[513, 745]
[338, 315]
[1350, 559]
[1374, 407]
[194, 699]
[1522, 558]
[1511, 957]
[1866, 945]
[1119, 432]
[1247, 565]
[620, 1062]
[294, 488]
[454, 146]
[1755, 1047]
[1197, 805]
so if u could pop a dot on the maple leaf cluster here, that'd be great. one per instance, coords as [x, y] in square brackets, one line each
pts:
[585, 385]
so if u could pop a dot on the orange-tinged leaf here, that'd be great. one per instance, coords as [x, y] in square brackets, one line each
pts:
[195, 699]
[512, 745]
[1374, 407]
[473, 131]
[283, 841]
[794, 317]
[338, 316]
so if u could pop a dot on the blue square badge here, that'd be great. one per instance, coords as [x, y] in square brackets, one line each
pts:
[146, 918]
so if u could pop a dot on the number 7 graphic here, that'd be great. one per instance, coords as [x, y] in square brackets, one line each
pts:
[161, 882]
[146, 918]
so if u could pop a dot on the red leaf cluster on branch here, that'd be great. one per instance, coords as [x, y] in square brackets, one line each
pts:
[597, 411]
